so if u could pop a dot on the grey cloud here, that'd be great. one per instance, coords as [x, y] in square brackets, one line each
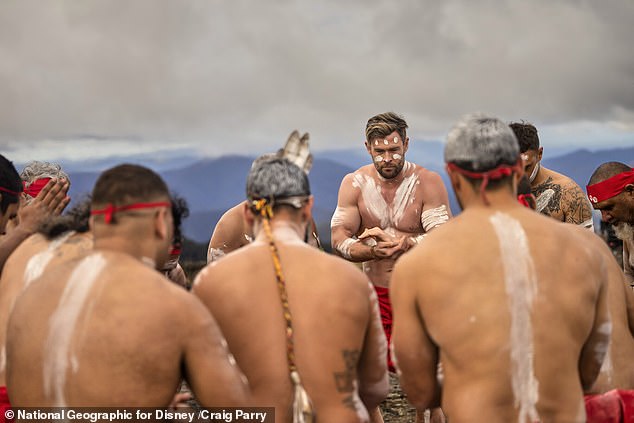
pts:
[240, 75]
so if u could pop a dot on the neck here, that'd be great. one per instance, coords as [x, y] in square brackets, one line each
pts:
[142, 251]
[497, 199]
[539, 178]
[284, 230]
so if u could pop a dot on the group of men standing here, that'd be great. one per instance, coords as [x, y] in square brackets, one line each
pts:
[499, 314]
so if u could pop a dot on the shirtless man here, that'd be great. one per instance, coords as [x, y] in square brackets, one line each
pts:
[50, 202]
[386, 208]
[517, 313]
[108, 330]
[233, 232]
[557, 195]
[611, 191]
[339, 346]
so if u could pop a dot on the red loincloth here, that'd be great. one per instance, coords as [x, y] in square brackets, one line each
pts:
[4, 405]
[615, 406]
[385, 306]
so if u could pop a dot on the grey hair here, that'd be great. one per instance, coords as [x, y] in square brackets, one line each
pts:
[277, 179]
[480, 142]
[37, 170]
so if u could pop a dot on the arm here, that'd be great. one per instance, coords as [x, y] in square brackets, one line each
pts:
[576, 207]
[228, 235]
[436, 209]
[372, 369]
[345, 224]
[210, 369]
[415, 354]
[596, 346]
[49, 202]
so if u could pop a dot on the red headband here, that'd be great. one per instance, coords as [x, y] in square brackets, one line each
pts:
[8, 191]
[175, 251]
[110, 210]
[609, 188]
[35, 187]
[493, 174]
[523, 200]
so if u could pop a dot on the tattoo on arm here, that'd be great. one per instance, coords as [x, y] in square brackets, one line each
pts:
[345, 379]
[576, 207]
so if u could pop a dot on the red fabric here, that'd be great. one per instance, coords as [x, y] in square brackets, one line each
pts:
[609, 188]
[8, 191]
[4, 404]
[615, 406]
[110, 210]
[385, 307]
[35, 187]
[493, 174]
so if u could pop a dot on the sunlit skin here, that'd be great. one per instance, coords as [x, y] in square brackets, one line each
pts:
[11, 213]
[531, 158]
[618, 209]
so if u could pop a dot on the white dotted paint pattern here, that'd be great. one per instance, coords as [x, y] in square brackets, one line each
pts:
[386, 142]
[338, 217]
[521, 288]
[344, 247]
[389, 215]
[62, 326]
[36, 265]
[397, 156]
[378, 159]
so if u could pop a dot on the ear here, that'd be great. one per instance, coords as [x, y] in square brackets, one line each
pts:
[248, 215]
[162, 224]
[454, 178]
[630, 189]
[368, 147]
[307, 209]
[405, 144]
[539, 153]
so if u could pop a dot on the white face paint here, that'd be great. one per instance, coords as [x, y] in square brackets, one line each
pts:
[378, 159]
[386, 142]
[338, 217]
[57, 354]
[376, 142]
[389, 215]
[395, 140]
[397, 156]
[521, 288]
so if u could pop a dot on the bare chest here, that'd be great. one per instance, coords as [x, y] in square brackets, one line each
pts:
[386, 206]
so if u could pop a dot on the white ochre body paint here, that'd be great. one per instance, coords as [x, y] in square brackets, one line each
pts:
[520, 280]
[57, 351]
[378, 159]
[36, 264]
[397, 156]
[338, 217]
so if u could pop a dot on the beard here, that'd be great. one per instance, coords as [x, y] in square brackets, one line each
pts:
[624, 231]
[392, 173]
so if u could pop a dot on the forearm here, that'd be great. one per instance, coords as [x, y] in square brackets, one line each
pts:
[10, 242]
[354, 250]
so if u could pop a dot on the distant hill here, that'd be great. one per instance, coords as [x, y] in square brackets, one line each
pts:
[212, 186]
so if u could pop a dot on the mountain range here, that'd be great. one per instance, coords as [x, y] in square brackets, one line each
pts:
[213, 185]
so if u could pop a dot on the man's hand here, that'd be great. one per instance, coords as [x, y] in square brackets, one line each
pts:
[51, 201]
[387, 246]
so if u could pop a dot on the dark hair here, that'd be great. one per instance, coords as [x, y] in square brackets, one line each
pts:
[128, 184]
[76, 219]
[526, 135]
[9, 180]
[608, 170]
[180, 211]
[384, 124]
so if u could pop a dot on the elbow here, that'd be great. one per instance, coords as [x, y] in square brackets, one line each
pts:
[372, 395]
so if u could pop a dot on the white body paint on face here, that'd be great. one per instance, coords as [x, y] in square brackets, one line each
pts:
[378, 159]
[57, 354]
[521, 288]
[338, 217]
[395, 140]
[544, 199]
[376, 142]
[389, 215]
[386, 142]
[397, 156]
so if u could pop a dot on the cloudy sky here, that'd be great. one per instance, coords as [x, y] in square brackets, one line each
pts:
[93, 78]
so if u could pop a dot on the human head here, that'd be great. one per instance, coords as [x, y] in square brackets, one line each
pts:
[527, 137]
[386, 141]
[36, 174]
[275, 184]
[76, 219]
[484, 151]
[524, 194]
[10, 190]
[132, 202]
[180, 211]
[611, 190]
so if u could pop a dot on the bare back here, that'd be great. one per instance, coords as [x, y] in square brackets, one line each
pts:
[28, 262]
[366, 200]
[339, 342]
[516, 312]
[111, 331]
